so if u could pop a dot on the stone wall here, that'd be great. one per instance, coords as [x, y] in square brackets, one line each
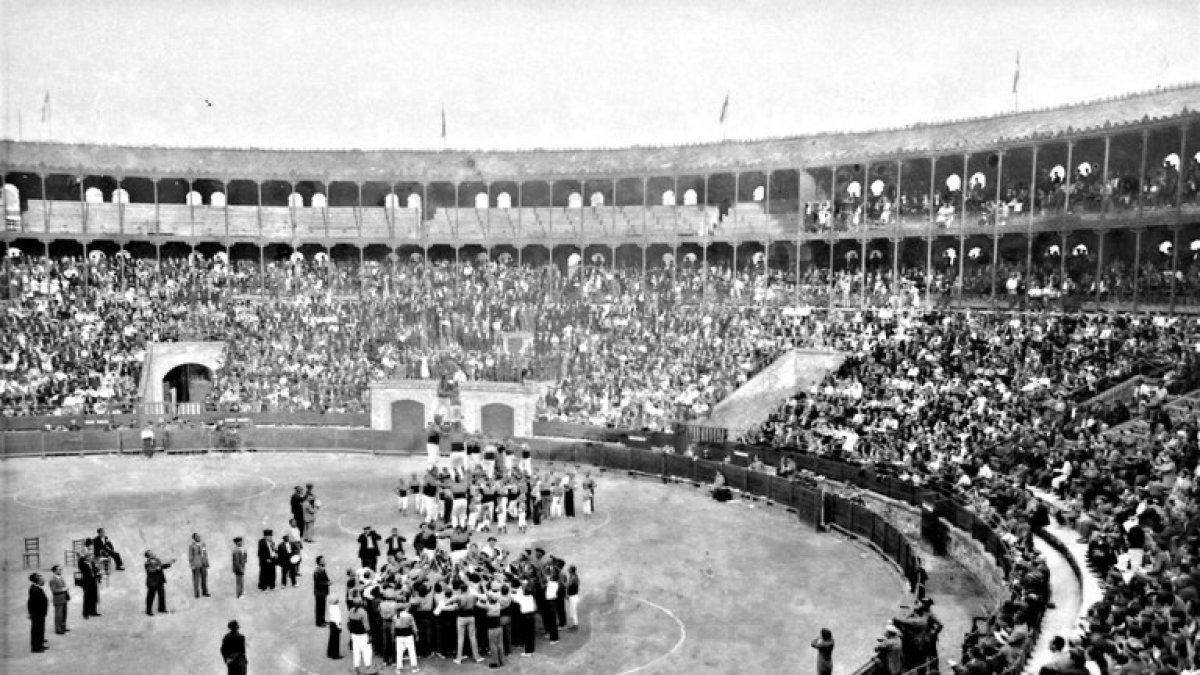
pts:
[522, 398]
[161, 357]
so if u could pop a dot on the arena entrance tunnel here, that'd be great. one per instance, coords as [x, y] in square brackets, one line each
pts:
[187, 383]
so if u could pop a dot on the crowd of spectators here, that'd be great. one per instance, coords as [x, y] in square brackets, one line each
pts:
[995, 404]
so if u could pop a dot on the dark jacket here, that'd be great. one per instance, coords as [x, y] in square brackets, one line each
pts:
[266, 552]
[155, 576]
[233, 647]
[38, 604]
[320, 582]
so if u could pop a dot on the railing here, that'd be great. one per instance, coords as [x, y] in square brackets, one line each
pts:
[672, 223]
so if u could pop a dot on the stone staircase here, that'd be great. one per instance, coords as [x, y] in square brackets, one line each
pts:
[746, 409]
[1180, 409]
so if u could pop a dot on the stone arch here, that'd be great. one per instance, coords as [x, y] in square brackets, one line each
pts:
[12, 199]
[217, 199]
[163, 357]
[574, 201]
[668, 198]
[318, 201]
[496, 420]
[481, 200]
[597, 199]
[93, 195]
[188, 382]
[690, 198]
[504, 201]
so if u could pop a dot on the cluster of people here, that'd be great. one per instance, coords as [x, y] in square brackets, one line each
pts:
[995, 404]
[476, 601]
[621, 348]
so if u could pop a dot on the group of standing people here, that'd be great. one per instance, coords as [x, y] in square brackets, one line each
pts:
[485, 485]
[468, 600]
[97, 556]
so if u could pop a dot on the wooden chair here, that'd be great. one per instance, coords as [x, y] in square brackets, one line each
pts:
[32, 558]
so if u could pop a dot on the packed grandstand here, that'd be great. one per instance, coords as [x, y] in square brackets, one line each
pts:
[984, 292]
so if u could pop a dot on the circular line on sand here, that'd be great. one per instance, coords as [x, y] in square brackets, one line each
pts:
[669, 613]
[567, 535]
[271, 485]
[296, 666]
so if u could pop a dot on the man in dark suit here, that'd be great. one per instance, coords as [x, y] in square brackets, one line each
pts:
[103, 548]
[266, 562]
[233, 650]
[395, 544]
[321, 589]
[89, 581]
[38, 606]
[298, 508]
[287, 566]
[156, 583]
[368, 547]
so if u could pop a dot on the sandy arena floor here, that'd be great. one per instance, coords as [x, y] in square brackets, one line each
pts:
[673, 582]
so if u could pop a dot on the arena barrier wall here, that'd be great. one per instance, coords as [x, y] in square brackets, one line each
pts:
[804, 496]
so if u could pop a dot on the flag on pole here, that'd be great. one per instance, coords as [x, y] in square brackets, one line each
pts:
[725, 107]
[46, 107]
[1017, 73]
[443, 122]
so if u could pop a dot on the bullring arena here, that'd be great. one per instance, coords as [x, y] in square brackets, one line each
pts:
[906, 401]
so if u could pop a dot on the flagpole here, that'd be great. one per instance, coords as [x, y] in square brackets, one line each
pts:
[1016, 88]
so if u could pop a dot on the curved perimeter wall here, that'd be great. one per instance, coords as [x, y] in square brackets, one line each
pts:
[809, 500]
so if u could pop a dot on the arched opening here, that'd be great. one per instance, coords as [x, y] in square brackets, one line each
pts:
[93, 196]
[187, 383]
[481, 200]
[503, 201]
[407, 415]
[574, 201]
[12, 202]
[413, 201]
[760, 193]
[1054, 251]
[1166, 247]
[978, 181]
[295, 200]
[193, 198]
[318, 201]
[1172, 161]
[120, 196]
[854, 189]
[975, 253]
[953, 182]
[950, 254]
[217, 199]
[668, 198]
[391, 201]
[496, 420]
[877, 187]
[597, 199]
[690, 198]
[1080, 250]
[1058, 174]
[1084, 170]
